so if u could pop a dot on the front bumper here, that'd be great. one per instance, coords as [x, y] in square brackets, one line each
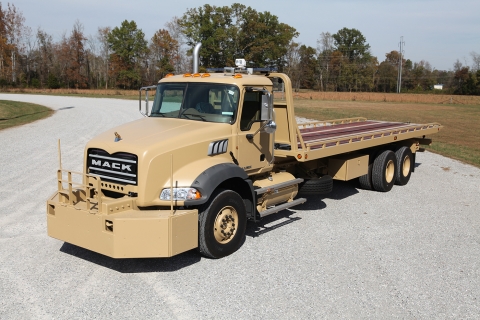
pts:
[119, 230]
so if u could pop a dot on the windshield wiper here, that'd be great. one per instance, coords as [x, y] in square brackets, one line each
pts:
[157, 114]
[195, 115]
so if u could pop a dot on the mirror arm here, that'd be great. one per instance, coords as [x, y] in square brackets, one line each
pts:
[251, 135]
[146, 99]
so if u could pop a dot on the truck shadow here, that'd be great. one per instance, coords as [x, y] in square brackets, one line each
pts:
[140, 265]
[341, 190]
[255, 229]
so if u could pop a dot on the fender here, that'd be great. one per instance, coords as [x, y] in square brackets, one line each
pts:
[211, 178]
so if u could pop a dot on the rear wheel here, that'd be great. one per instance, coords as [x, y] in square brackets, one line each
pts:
[366, 179]
[384, 171]
[404, 165]
[316, 186]
[222, 225]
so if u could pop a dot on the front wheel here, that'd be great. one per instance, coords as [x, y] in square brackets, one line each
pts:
[222, 225]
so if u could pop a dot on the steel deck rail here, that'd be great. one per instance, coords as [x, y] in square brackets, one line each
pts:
[324, 138]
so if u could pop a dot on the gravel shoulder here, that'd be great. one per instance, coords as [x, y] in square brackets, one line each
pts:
[410, 253]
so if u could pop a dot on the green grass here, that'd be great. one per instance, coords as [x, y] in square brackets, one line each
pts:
[459, 139]
[13, 113]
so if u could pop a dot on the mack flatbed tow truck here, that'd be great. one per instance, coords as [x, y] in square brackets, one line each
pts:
[214, 151]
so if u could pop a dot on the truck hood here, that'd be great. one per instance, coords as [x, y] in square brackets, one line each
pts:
[165, 133]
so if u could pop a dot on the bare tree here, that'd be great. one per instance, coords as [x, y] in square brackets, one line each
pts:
[476, 61]
[183, 62]
[457, 66]
[11, 30]
[325, 47]
[46, 56]
[292, 67]
[92, 61]
[102, 37]
[30, 45]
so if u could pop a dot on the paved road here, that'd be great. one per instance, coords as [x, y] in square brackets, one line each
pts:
[411, 253]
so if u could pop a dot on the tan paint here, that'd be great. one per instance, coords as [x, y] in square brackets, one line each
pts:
[226, 223]
[174, 152]
[348, 167]
[275, 195]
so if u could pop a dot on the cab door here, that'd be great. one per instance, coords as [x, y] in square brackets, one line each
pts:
[254, 147]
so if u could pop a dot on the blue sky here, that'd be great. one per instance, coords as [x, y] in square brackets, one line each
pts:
[437, 31]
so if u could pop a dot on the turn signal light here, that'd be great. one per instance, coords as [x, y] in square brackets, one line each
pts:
[169, 75]
[186, 75]
[237, 76]
[196, 75]
[205, 75]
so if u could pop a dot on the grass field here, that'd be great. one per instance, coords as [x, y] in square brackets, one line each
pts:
[13, 113]
[459, 139]
[91, 93]
[437, 98]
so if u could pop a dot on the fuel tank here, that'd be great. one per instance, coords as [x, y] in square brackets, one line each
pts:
[275, 195]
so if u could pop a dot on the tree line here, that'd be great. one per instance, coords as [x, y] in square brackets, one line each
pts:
[122, 57]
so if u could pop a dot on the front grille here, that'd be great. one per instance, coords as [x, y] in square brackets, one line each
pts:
[120, 167]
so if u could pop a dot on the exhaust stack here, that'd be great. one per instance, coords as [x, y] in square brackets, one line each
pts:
[196, 58]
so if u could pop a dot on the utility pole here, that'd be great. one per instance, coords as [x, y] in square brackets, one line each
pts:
[399, 78]
[13, 67]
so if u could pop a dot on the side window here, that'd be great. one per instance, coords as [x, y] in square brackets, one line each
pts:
[251, 109]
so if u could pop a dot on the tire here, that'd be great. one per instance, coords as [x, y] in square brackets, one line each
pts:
[384, 171]
[222, 225]
[366, 179]
[316, 186]
[404, 165]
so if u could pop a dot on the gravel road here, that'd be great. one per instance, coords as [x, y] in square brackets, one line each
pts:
[411, 253]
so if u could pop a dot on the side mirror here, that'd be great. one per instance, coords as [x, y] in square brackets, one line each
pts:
[145, 107]
[270, 127]
[267, 107]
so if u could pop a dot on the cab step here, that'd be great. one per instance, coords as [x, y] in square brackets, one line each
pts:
[281, 207]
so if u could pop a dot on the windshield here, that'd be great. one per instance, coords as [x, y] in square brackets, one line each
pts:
[196, 101]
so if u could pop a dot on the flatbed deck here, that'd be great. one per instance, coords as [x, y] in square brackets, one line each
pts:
[325, 138]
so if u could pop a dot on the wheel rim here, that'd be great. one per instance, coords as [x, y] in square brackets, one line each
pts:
[390, 171]
[406, 166]
[225, 226]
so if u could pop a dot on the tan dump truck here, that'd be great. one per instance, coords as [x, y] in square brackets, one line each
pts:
[214, 151]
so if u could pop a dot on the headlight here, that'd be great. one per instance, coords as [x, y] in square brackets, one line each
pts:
[180, 194]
